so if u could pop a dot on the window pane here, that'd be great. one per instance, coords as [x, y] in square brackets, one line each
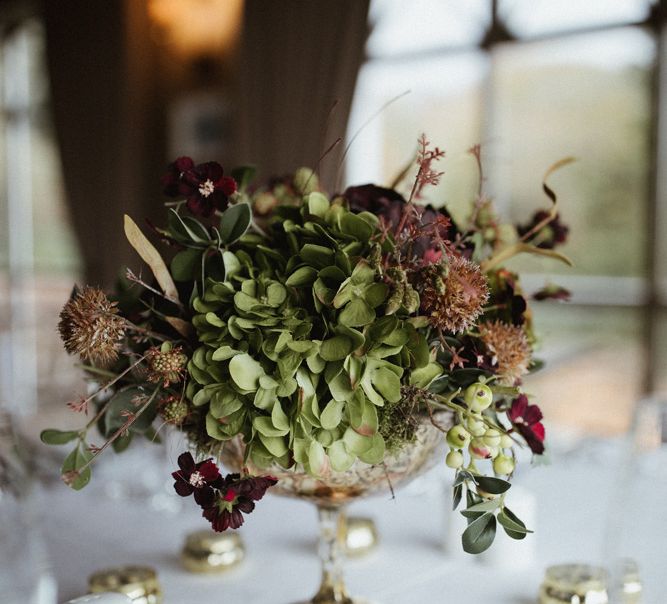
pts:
[535, 17]
[39, 259]
[594, 366]
[444, 102]
[586, 97]
[400, 27]
[661, 377]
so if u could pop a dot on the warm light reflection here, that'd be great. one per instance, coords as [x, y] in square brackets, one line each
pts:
[197, 27]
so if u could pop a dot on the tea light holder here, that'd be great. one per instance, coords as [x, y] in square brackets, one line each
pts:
[574, 584]
[138, 583]
[361, 535]
[209, 552]
[101, 598]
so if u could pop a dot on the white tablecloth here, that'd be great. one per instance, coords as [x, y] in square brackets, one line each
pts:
[88, 531]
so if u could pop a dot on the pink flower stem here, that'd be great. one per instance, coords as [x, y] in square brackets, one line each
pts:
[121, 430]
[103, 410]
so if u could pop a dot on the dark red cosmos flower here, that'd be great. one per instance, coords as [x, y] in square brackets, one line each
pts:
[198, 478]
[549, 236]
[527, 420]
[204, 186]
[236, 496]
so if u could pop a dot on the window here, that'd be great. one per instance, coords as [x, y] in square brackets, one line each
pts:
[534, 81]
[39, 259]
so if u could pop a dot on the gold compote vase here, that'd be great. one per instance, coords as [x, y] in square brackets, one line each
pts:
[334, 491]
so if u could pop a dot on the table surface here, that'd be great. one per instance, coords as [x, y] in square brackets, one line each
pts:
[417, 560]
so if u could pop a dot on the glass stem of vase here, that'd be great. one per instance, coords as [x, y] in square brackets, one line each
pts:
[330, 549]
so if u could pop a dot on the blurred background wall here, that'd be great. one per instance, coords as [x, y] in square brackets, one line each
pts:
[96, 96]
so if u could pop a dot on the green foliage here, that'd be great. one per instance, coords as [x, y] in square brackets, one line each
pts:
[124, 402]
[298, 353]
[58, 437]
[74, 462]
[485, 509]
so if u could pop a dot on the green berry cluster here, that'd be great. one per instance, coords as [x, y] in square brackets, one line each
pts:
[476, 434]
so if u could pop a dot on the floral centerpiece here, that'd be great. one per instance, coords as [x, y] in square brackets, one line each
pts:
[319, 331]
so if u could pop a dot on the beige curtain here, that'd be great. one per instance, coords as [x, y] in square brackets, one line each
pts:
[101, 64]
[297, 57]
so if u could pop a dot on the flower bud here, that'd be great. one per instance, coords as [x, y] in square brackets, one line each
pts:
[454, 459]
[458, 437]
[478, 397]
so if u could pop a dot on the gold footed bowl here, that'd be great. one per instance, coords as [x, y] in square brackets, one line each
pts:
[332, 492]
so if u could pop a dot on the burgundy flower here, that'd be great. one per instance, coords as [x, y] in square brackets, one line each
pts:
[527, 420]
[204, 186]
[236, 496]
[552, 292]
[198, 478]
[550, 235]
[171, 181]
[506, 297]
[389, 204]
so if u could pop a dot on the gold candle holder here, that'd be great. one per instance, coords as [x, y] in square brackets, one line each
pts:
[209, 552]
[574, 584]
[138, 583]
[360, 535]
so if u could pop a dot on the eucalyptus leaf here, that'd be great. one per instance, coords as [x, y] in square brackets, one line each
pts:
[186, 264]
[493, 485]
[122, 442]
[456, 496]
[125, 402]
[152, 257]
[76, 460]
[513, 526]
[234, 222]
[480, 534]
[57, 437]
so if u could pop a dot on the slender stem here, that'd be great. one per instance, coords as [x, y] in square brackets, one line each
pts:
[104, 408]
[124, 428]
[332, 589]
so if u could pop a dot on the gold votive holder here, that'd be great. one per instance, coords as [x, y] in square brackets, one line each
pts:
[361, 535]
[574, 584]
[632, 585]
[138, 583]
[209, 552]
